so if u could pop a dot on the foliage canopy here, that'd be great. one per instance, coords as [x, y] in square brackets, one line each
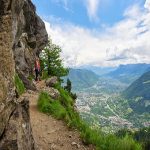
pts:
[51, 62]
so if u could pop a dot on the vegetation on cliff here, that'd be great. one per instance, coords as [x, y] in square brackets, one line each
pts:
[139, 95]
[51, 62]
[20, 88]
[142, 136]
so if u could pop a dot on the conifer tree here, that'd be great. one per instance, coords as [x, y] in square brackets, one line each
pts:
[68, 86]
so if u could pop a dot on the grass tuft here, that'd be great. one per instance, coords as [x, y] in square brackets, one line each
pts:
[20, 88]
[49, 106]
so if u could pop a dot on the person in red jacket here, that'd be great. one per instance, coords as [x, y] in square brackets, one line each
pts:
[37, 69]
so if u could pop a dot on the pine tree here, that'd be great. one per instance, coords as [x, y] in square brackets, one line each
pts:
[68, 86]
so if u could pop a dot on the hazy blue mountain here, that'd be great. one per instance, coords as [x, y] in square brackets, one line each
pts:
[129, 73]
[139, 93]
[98, 70]
[82, 78]
[148, 69]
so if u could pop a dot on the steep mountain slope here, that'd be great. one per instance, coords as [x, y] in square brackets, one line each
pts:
[139, 93]
[82, 78]
[129, 73]
[22, 35]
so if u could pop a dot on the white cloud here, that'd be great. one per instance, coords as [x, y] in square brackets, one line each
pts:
[147, 5]
[125, 42]
[92, 8]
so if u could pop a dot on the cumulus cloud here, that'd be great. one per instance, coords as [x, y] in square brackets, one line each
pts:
[91, 6]
[126, 42]
[147, 5]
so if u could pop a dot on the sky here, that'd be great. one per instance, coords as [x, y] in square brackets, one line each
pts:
[101, 33]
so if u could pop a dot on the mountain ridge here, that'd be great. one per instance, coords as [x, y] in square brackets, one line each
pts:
[130, 72]
[82, 78]
[138, 93]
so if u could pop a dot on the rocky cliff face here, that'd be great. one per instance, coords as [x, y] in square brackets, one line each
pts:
[22, 36]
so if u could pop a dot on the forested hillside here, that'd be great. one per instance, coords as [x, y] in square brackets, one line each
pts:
[139, 93]
[82, 78]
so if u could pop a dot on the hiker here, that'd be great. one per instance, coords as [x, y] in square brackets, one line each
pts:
[37, 69]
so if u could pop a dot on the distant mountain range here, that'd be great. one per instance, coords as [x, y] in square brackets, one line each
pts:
[129, 73]
[139, 94]
[98, 70]
[119, 77]
[82, 78]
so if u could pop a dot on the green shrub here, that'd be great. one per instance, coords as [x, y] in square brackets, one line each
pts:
[44, 75]
[43, 102]
[20, 89]
[65, 98]
[111, 142]
[123, 132]
[143, 136]
[128, 143]
[31, 77]
[50, 106]
[90, 136]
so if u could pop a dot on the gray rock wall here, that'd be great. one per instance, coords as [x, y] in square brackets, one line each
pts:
[22, 36]
[30, 38]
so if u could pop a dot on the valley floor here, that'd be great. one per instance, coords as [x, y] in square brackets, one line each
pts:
[49, 133]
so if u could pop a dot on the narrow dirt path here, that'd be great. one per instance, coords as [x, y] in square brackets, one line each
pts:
[49, 133]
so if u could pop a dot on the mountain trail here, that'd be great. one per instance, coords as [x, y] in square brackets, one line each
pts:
[49, 133]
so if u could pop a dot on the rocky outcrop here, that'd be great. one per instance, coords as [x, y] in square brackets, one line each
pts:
[52, 92]
[18, 133]
[22, 36]
[51, 82]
